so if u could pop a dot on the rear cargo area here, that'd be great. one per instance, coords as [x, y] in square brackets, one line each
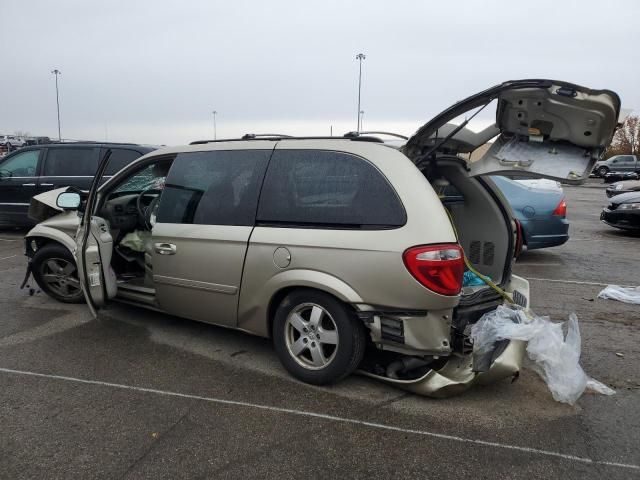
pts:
[483, 228]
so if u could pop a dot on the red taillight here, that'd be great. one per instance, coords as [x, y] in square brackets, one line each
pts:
[561, 209]
[519, 238]
[437, 267]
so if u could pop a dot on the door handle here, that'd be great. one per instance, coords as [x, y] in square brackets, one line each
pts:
[46, 184]
[28, 184]
[165, 248]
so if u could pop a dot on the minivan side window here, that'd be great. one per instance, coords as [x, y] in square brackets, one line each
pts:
[71, 162]
[213, 188]
[23, 164]
[316, 188]
[120, 158]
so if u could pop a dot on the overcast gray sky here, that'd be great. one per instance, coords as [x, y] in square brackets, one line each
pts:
[152, 72]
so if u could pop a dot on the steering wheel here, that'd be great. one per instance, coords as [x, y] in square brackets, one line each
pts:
[146, 214]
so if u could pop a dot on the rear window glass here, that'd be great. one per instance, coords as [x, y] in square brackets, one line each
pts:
[324, 188]
[71, 162]
[213, 188]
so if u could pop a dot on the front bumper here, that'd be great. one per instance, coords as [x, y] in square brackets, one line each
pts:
[457, 375]
[622, 219]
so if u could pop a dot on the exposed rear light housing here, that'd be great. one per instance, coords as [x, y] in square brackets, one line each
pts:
[561, 209]
[437, 267]
[519, 239]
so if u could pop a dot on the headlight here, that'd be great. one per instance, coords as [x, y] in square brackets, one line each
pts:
[617, 186]
[629, 206]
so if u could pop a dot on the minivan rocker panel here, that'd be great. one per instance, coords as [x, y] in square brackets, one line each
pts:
[337, 246]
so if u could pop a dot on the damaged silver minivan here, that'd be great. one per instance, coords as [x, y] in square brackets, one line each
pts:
[348, 253]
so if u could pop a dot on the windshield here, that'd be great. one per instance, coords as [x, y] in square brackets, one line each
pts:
[150, 177]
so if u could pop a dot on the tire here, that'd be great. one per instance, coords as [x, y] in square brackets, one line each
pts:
[55, 272]
[602, 171]
[317, 362]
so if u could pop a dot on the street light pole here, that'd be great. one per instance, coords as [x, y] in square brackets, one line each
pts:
[361, 119]
[57, 72]
[215, 132]
[360, 57]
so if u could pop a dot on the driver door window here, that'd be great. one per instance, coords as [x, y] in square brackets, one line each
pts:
[23, 164]
[18, 183]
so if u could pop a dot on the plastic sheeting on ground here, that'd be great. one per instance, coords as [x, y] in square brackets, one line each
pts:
[623, 294]
[555, 357]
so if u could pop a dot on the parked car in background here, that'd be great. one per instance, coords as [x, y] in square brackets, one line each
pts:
[623, 212]
[617, 163]
[11, 141]
[540, 183]
[620, 176]
[542, 213]
[36, 169]
[37, 141]
[331, 247]
[623, 187]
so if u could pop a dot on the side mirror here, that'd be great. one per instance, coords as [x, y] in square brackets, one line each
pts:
[68, 201]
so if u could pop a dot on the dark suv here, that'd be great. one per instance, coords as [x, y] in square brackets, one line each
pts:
[36, 169]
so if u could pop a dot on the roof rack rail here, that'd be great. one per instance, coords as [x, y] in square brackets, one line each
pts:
[358, 134]
[289, 137]
[251, 136]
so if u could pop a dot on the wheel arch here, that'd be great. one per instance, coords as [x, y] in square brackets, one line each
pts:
[257, 317]
[44, 235]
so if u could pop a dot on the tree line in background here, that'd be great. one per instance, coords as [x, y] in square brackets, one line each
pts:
[626, 140]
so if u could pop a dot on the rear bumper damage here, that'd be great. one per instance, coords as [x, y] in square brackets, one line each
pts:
[458, 374]
[455, 367]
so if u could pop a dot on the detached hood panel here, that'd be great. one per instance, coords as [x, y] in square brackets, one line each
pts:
[544, 128]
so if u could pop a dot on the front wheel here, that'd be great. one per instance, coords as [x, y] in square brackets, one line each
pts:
[316, 338]
[55, 271]
[602, 171]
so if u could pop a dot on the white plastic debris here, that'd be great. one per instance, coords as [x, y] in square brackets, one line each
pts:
[555, 357]
[623, 294]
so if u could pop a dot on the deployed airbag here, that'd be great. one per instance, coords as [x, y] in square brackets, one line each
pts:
[136, 240]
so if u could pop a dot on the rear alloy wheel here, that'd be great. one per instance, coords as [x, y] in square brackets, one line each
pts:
[55, 271]
[316, 338]
[602, 171]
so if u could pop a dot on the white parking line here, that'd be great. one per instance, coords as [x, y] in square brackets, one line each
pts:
[6, 258]
[576, 282]
[7, 240]
[331, 418]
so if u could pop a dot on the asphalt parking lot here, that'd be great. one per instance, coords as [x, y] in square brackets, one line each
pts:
[136, 394]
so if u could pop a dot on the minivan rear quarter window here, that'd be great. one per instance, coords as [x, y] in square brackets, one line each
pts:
[213, 188]
[317, 188]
